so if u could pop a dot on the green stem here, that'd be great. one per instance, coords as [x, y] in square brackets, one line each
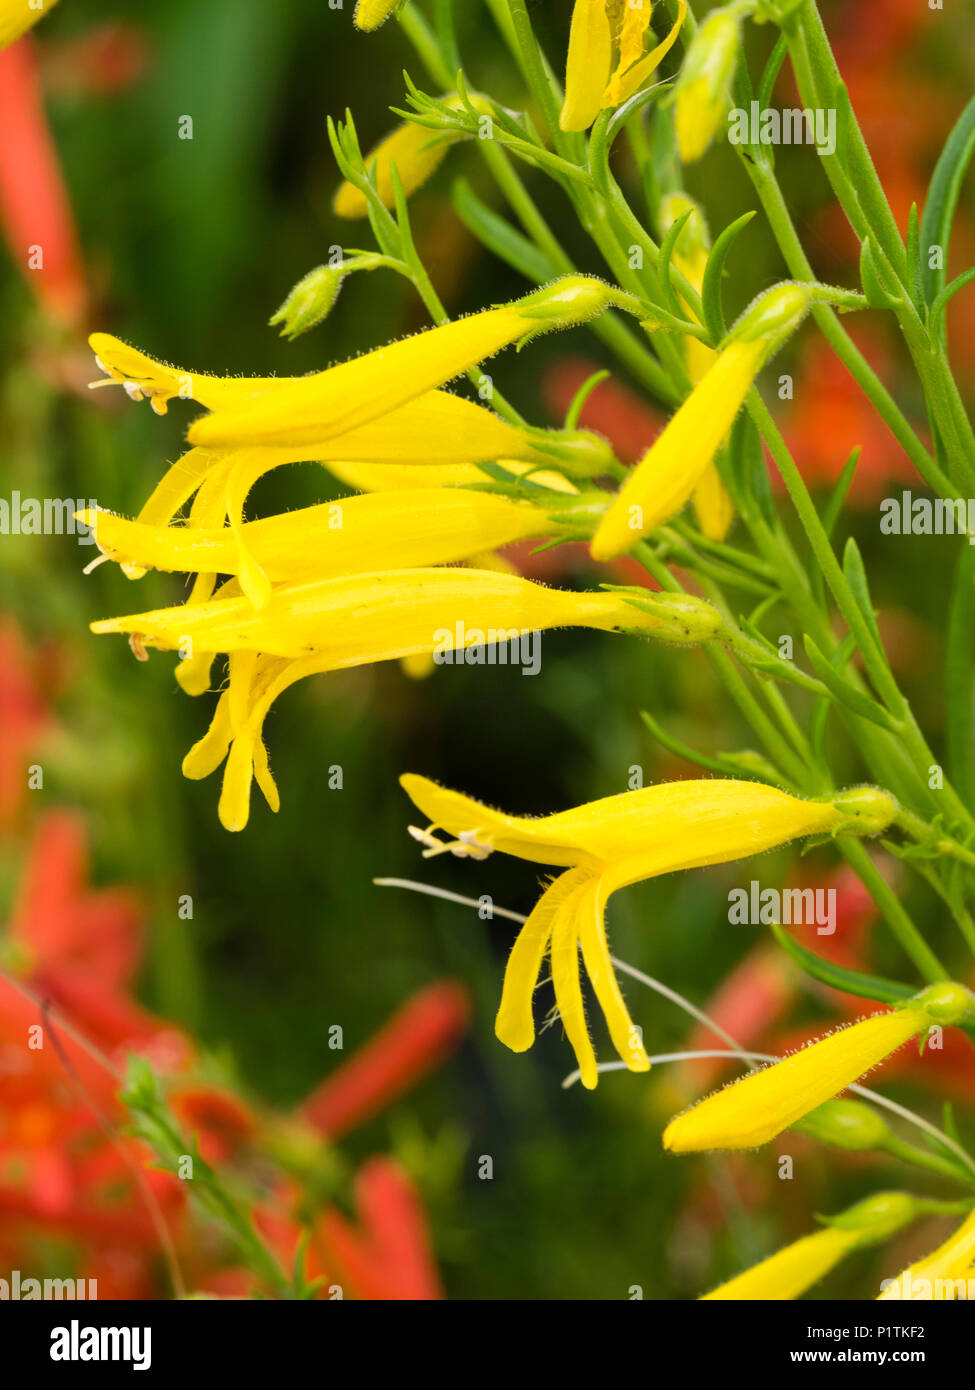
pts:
[913, 943]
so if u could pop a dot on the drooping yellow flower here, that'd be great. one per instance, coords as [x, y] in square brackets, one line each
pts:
[791, 1271]
[755, 1109]
[712, 505]
[334, 538]
[704, 83]
[308, 628]
[352, 394]
[947, 1273]
[433, 426]
[302, 414]
[606, 845]
[677, 461]
[17, 16]
[377, 616]
[369, 14]
[420, 427]
[599, 29]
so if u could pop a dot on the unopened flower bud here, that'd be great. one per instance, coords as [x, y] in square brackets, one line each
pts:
[310, 300]
[877, 1217]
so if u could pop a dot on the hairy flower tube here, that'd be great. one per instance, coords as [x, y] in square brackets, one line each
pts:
[333, 538]
[753, 1110]
[17, 16]
[354, 393]
[606, 845]
[608, 60]
[402, 419]
[307, 412]
[937, 1277]
[678, 460]
[797, 1267]
[370, 14]
[327, 625]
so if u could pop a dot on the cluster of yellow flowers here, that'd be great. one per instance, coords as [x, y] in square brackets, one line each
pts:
[410, 555]
[342, 584]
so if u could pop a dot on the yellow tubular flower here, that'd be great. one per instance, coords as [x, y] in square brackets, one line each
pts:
[592, 82]
[378, 616]
[606, 845]
[437, 432]
[306, 629]
[712, 505]
[334, 538]
[436, 426]
[677, 461]
[415, 150]
[704, 83]
[755, 1109]
[348, 396]
[793, 1270]
[17, 16]
[935, 1277]
[790, 1272]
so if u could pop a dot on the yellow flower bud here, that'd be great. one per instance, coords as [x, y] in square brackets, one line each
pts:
[704, 84]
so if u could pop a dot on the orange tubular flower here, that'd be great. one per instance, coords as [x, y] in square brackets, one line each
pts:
[35, 209]
[414, 1041]
[389, 1256]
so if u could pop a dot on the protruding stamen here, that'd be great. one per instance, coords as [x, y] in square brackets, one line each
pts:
[466, 846]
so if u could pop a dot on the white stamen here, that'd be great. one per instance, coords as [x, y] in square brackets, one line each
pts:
[466, 846]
